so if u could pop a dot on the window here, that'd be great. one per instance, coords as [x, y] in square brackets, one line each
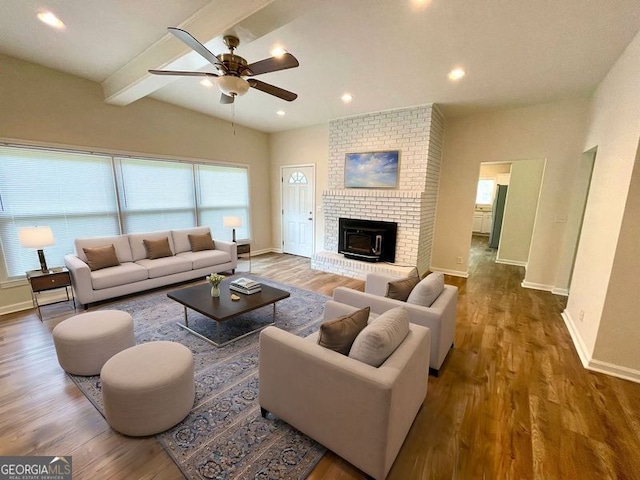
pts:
[155, 195]
[223, 191]
[484, 195]
[72, 193]
[75, 194]
[297, 177]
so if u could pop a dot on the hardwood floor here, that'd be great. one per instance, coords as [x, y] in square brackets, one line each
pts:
[512, 400]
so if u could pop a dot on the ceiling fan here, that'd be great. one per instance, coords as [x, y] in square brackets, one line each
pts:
[232, 69]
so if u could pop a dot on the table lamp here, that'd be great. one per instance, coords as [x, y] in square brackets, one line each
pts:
[38, 238]
[232, 222]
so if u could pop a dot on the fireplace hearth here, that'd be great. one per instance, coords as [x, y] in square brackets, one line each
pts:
[367, 240]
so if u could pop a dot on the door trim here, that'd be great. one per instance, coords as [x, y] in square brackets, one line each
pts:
[313, 205]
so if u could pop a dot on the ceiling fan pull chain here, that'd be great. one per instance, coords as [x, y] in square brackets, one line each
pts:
[233, 118]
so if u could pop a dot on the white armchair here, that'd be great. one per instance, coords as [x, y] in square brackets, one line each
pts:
[360, 412]
[440, 317]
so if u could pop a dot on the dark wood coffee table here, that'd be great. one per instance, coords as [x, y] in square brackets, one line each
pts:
[222, 308]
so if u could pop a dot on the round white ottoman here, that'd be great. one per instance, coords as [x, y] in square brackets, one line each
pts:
[86, 341]
[148, 388]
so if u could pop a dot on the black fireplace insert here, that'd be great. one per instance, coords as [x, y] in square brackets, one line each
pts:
[367, 240]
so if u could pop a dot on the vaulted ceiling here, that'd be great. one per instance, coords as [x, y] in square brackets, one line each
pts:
[386, 53]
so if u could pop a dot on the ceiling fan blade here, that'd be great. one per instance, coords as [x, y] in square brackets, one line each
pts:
[194, 44]
[272, 64]
[272, 90]
[187, 74]
[226, 99]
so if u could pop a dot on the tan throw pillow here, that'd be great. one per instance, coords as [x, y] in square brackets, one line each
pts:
[379, 340]
[201, 242]
[101, 257]
[338, 334]
[426, 292]
[401, 288]
[158, 248]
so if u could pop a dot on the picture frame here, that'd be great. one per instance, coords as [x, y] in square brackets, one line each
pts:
[377, 169]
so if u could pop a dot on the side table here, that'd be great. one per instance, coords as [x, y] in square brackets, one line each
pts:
[244, 253]
[50, 280]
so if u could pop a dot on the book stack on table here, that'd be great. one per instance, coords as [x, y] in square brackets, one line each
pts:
[245, 285]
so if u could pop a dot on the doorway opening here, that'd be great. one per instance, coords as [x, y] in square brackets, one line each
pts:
[506, 216]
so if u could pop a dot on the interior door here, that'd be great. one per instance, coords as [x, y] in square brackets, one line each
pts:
[298, 191]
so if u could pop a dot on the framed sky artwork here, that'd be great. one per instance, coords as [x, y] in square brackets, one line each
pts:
[372, 169]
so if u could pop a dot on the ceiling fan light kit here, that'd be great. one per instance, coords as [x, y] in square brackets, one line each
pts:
[232, 68]
[232, 86]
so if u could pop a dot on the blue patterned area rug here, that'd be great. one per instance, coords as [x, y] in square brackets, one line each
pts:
[224, 436]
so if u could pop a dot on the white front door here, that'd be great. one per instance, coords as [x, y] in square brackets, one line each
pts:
[298, 190]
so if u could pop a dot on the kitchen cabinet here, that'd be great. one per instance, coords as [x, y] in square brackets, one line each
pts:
[482, 222]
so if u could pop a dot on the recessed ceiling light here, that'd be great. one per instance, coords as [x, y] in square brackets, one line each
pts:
[50, 19]
[346, 98]
[206, 83]
[281, 112]
[278, 51]
[421, 3]
[456, 74]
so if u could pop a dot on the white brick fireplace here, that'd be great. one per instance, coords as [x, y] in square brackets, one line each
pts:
[417, 133]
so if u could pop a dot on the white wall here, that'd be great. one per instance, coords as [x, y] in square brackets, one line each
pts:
[554, 132]
[579, 192]
[602, 287]
[299, 147]
[520, 211]
[492, 170]
[40, 105]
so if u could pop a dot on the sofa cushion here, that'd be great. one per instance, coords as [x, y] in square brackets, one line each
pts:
[161, 267]
[201, 242]
[401, 288]
[119, 242]
[157, 248]
[426, 292]
[206, 258]
[181, 237]
[101, 257]
[136, 240]
[339, 333]
[375, 343]
[123, 274]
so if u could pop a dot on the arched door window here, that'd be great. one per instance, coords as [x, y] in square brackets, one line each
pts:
[297, 177]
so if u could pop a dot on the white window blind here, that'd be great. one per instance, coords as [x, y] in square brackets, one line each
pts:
[75, 194]
[72, 193]
[223, 191]
[155, 195]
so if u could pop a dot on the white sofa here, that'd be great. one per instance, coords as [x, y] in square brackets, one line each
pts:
[136, 272]
[360, 412]
[440, 317]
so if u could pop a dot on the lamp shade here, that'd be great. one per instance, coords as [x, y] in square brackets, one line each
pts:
[36, 237]
[232, 222]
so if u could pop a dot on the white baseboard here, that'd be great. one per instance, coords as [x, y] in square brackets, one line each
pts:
[537, 286]
[581, 348]
[615, 370]
[454, 273]
[517, 263]
[546, 288]
[264, 251]
[599, 366]
[16, 307]
[560, 291]
[44, 298]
